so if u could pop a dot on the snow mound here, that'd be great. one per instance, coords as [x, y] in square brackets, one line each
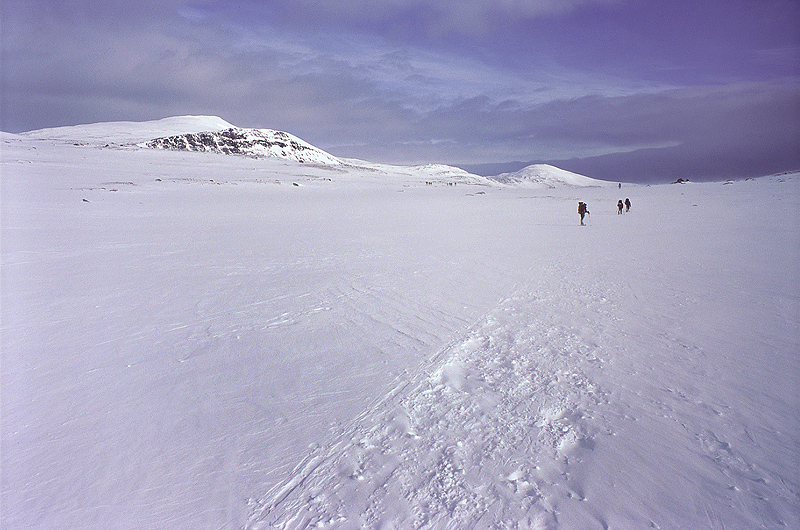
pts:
[4, 136]
[450, 174]
[547, 176]
[442, 170]
[258, 143]
[128, 132]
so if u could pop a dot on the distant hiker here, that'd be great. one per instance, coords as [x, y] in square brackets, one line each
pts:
[620, 185]
[627, 205]
[619, 207]
[582, 210]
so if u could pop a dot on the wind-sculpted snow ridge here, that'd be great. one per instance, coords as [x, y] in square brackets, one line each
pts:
[547, 176]
[259, 143]
[7, 137]
[481, 437]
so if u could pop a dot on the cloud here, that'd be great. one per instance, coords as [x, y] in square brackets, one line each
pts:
[697, 132]
[710, 131]
[400, 19]
[100, 68]
[375, 80]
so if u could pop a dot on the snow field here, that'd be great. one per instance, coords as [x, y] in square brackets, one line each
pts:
[191, 341]
[484, 432]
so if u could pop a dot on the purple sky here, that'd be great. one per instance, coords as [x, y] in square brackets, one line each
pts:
[633, 90]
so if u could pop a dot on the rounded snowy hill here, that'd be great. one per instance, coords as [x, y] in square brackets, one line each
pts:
[130, 132]
[191, 133]
[547, 176]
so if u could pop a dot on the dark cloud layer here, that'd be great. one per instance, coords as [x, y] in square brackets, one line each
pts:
[619, 90]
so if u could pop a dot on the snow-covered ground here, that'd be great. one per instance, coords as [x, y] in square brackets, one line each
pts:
[194, 340]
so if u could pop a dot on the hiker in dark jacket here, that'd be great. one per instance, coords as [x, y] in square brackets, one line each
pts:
[582, 210]
[627, 205]
[619, 207]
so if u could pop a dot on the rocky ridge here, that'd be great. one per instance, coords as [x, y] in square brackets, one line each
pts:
[258, 143]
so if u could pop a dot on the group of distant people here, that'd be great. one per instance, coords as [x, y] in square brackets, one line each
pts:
[583, 209]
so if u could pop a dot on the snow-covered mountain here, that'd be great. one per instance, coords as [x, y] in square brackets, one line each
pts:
[191, 133]
[547, 176]
[130, 132]
[259, 143]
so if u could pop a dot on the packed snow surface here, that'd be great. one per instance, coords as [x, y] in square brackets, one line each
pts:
[193, 340]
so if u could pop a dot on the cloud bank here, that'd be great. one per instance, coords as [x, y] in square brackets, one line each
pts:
[638, 90]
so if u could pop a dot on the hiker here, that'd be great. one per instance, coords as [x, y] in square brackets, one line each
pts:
[627, 205]
[619, 207]
[582, 210]
[620, 185]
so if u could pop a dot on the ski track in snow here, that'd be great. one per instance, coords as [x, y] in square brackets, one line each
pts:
[494, 431]
[482, 435]
[499, 428]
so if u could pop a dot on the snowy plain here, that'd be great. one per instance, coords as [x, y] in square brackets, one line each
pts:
[195, 340]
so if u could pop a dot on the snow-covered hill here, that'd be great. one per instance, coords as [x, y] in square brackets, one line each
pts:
[547, 176]
[130, 132]
[438, 174]
[9, 136]
[248, 142]
[444, 171]
[213, 134]
[191, 133]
